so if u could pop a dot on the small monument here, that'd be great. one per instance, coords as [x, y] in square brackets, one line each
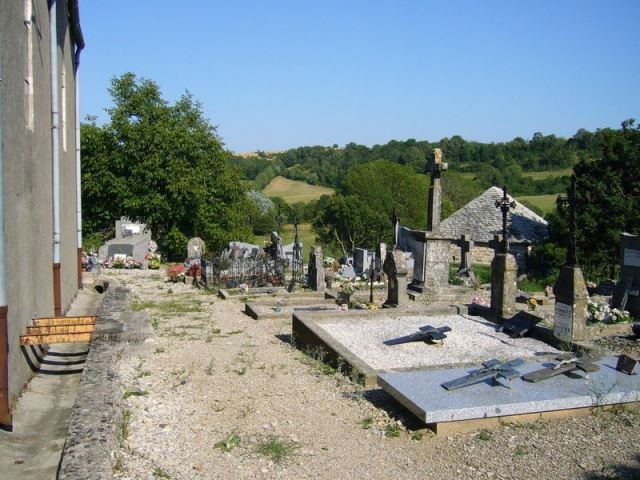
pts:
[132, 239]
[436, 167]
[431, 266]
[316, 269]
[195, 248]
[626, 293]
[396, 271]
[572, 297]
[504, 269]
[465, 271]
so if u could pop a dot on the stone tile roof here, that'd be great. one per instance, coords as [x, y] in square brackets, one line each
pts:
[481, 220]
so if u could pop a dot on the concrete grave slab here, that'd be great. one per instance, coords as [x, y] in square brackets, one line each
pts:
[422, 394]
[358, 339]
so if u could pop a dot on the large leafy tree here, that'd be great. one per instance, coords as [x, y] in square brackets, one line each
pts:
[164, 163]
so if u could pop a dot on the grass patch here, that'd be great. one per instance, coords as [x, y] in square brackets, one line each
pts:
[138, 305]
[277, 450]
[417, 436]
[532, 285]
[180, 306]
[521, 450]
[229, 443]
[541, 175]
[484, 435]
[316, 357]
[546, 203]
[294, 191]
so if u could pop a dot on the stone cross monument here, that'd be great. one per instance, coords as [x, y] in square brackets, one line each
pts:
[504, 269]
[570, 321]
[434, 207]
[316, 269]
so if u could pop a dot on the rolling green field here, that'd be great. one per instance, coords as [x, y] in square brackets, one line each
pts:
[293, 191]
[546, 203]
[565, 172]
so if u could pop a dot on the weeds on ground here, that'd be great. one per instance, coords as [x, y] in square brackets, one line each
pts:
[521, 450]
[159, 472]
[276, 449]
[182, 375]
[367, 423]
[133, 392]
[417, 436]
[124, 426]
[139, 305]
[209, 368]
[484, 435]
[159, 350]
[392, 431]
[229, 443]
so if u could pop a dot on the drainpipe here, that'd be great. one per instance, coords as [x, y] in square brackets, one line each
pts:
[76, 32]
[6, 421]
[55, 155]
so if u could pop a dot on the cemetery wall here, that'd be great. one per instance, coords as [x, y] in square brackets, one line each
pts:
[26, 151]
[483, 255]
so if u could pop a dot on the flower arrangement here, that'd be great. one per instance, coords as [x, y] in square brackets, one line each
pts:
[153, 260]
[330, 263]
[243, 287]
[175, 273]
[532, 303]
[342, 308]
[601, 312]
[347, 287]
[131, 263]
[480, 301]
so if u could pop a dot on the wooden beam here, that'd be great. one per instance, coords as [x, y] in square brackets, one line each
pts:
[45, 322]
[55, 338]
[60, 329]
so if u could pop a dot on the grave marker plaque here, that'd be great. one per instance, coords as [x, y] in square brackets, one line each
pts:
[563, 323]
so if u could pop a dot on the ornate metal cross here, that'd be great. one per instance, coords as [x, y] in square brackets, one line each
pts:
[395, 220]
[504, 205]
[297, 264]
[570, 201]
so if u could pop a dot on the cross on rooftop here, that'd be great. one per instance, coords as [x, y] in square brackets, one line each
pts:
[504, 204]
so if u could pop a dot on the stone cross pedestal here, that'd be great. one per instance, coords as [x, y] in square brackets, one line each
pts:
[504, 269]
[316, 269]
[572, 297]
[434, 207]
[570, 322]
[504, 274]
[466, 246]
[396, 271]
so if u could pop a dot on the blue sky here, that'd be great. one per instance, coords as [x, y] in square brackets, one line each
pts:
[279, 74]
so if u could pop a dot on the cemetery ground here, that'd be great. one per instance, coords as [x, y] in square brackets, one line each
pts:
[216, 394]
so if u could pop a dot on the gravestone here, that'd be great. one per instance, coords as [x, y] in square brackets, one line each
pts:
[625, 294]
[381, 254]
[361, 260]
[195, 248]
[572, 297]
[465, 272]
[396, 271]
[347, 271]
[132, 239]
[504, 269]
[316, 269]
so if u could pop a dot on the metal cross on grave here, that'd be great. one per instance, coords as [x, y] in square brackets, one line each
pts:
[504, 204]
[297, 252]
[395, 221]
[570, 201]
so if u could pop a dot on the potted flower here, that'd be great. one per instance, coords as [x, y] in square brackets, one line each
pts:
[175, 273]
[330, 268]
[345, 292]
[532, 303]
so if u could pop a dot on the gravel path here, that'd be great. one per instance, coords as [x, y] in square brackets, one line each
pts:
[216, 394]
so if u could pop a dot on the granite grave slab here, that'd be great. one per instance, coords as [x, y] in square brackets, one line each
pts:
[420, 392]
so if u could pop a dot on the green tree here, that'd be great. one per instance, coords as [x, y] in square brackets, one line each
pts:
[164, 163]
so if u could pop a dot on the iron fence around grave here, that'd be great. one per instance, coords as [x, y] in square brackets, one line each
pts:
[255, 271]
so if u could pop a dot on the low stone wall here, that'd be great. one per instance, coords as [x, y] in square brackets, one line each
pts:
[96, 418]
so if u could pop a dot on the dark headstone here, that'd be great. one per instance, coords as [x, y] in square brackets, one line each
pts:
[519, 325]
[626, 364]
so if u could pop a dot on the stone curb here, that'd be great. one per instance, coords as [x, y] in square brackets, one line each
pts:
[97, 416]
